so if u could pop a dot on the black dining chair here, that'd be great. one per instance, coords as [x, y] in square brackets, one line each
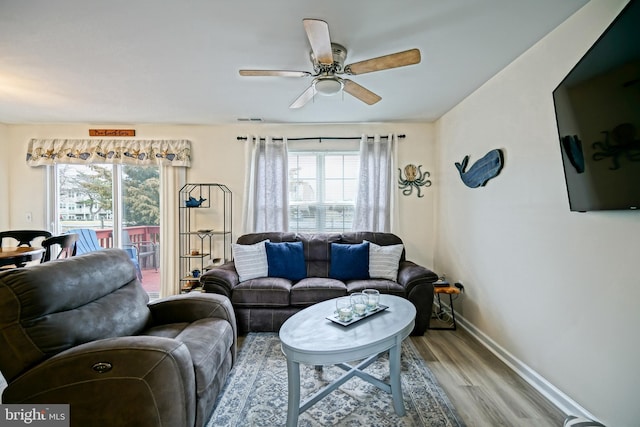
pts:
[66, 242]
[23, 237]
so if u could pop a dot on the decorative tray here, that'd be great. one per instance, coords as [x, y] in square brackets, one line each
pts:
[355, 319]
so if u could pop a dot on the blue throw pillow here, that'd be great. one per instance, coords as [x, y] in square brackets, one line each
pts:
[286, 260]
[349, 262]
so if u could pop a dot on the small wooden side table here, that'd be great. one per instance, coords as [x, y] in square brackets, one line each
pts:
[450, 290]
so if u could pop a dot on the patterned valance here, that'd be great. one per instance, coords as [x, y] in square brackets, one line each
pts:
[125, 151]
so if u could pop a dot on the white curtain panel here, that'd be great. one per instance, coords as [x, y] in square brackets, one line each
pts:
[266, 196]
[171, 181]
[376, 207]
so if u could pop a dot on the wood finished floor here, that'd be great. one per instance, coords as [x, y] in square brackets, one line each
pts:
[484, 391]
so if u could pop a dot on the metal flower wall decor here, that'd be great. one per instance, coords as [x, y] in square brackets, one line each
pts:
[413, 178]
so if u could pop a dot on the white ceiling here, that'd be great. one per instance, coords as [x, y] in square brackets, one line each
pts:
[176, 62]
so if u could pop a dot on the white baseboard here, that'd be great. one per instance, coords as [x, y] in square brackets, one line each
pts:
[548, 390]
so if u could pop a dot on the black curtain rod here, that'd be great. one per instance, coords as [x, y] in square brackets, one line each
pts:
[320, 138]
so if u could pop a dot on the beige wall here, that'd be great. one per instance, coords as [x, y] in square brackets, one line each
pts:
[218, 157]
[551, 290]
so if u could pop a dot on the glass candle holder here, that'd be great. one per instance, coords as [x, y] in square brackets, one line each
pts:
[344, 309]
[359, 304]
[372, 297]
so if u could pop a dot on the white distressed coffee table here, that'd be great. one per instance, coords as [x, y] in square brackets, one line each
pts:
[309, 338]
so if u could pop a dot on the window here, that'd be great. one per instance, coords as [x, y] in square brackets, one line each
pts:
[322, 190]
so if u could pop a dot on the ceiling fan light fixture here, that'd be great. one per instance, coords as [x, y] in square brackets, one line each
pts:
[328, 86]
[328, 60]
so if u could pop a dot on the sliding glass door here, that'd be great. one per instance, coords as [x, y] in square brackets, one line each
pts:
[118, 206]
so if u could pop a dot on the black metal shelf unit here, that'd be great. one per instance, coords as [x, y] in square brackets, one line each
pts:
[205, 224]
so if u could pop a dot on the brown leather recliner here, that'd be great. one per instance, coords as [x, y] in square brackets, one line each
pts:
[81, 331]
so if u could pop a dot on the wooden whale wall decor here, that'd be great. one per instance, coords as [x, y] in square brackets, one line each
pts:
[482, 170]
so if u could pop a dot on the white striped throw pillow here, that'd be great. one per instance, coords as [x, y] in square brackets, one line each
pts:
[251, 260]
[384, 261]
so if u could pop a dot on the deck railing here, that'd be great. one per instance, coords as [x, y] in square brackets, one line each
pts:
[137, 234]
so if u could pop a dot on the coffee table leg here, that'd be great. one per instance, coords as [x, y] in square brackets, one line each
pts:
[394, 373]
[293, 379]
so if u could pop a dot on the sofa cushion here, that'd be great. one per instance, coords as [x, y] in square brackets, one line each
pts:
[349, 262]
[208, 341]
[312, 290]
[262, 292]
[286, 260]
[317, 252]
[250, 260]
[169, 330]
[384, 261]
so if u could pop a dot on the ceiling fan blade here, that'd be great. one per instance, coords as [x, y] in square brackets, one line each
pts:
[274, 73]
[318, 34]
[363, 94]
[306, 96]
[394, 60]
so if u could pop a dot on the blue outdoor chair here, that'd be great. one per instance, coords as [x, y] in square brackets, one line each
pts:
[88, 242]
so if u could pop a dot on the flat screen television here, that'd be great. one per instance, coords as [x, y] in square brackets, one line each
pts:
[597, 109]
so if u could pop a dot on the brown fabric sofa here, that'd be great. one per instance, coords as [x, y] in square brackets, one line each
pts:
[81, 331]
[263, 304]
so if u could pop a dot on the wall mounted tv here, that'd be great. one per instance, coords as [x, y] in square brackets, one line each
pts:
[598, 116]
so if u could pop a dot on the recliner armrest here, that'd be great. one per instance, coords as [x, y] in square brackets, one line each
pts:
[142, 380]
[221, 280]
[411, 274]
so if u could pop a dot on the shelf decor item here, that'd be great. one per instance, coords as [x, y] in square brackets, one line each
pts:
[335, 317]
[205, 208]
[192, 202]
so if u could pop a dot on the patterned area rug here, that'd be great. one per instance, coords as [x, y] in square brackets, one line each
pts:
[256, 392]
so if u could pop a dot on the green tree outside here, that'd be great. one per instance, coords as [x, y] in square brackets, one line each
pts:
[93, 183]
[95, 187]
[142, 196]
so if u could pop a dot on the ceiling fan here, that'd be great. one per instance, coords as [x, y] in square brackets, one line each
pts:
[328, 59]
